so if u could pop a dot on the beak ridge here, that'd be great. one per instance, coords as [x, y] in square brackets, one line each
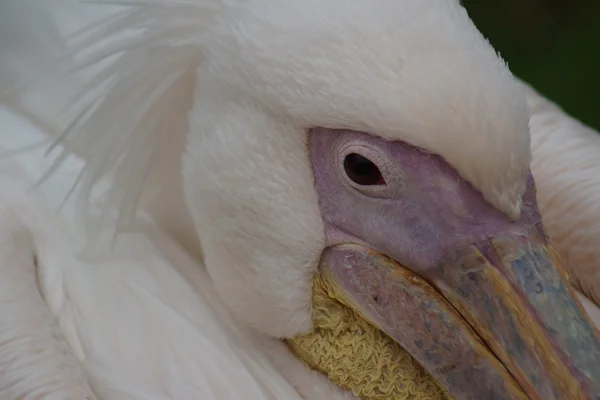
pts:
[415, 315]
[504, 325]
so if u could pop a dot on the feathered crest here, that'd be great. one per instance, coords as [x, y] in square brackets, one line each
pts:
[120, 87]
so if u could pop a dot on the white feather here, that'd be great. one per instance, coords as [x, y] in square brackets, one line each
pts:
[144, 61]
[567, 170]
[139, 322]
[131, 79]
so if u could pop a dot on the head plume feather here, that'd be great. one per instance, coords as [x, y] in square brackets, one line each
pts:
[123, 84]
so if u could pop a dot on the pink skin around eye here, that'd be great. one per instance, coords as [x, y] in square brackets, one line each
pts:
[425, 209]
[496, 272]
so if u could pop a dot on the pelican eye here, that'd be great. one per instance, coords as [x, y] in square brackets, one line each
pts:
[362, 171]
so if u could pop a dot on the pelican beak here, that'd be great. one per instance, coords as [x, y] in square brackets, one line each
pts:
[475, 295]
[494, 320]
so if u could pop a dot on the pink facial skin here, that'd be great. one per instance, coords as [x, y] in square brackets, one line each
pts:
[424, 211]
[414, 208]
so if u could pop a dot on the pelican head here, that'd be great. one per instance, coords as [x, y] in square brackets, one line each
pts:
[377, 152]
[358, 176]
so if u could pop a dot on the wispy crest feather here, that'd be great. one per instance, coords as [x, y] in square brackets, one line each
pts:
[131, 76]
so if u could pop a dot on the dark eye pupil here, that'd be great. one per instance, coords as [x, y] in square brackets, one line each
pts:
[362, 171]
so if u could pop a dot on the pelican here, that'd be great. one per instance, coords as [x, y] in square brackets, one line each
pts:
[277, 199]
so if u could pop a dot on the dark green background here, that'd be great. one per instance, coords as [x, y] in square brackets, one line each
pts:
[552, 44]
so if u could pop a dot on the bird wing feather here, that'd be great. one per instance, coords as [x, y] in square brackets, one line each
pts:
[138, 322]
[566, 166]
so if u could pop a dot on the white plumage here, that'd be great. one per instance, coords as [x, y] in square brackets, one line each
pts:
[139, 322]
[144, 320]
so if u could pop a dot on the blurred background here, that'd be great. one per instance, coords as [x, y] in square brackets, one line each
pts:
[552, 44]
